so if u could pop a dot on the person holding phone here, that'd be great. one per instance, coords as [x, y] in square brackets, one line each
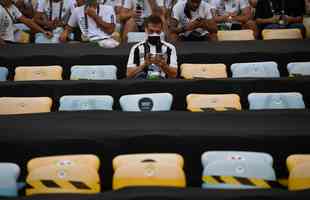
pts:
[153, 58]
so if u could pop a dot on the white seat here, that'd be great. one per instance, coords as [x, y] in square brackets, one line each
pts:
[299, 68]
[94, 72]
[9, 173]
[272, 34]
[76, 103]
[235, 35]
[146, 102]
[3, 73]
[134, 37]
[255, 70]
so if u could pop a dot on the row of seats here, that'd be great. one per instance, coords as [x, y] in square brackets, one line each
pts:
[153, 102]
[237, 35]
[188, 71]
[221, 170]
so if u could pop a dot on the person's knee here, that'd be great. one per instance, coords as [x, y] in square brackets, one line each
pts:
[212, 27]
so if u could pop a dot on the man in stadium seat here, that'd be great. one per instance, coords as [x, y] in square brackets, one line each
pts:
[96, 22]
[191, 20]
[152, 58]
[275, 14]
[25, 7]
[9, 14]
[133, 13]
[233, 15]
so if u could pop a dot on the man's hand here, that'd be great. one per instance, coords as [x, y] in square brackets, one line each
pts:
[48, 34]
[160, 61]
[193, 25]
[147, 60]
[90, 11]
[63, 37]
[275, 19]
[50, 25]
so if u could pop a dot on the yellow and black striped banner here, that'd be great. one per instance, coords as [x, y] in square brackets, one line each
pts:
[233, 180]
[61, 186]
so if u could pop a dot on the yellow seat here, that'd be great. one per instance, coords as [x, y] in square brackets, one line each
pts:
[271, 34]
[24, 105]
[299, 170]
[235, 35]
[32, 73]
[22, 37]
[192, 71]
[148, 170]
[91, 161]
[217, 102]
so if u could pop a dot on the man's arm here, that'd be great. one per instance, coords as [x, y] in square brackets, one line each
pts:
[104, 26]
[244, 17]
[170, 71]
[272, 20]
[125, 14]
[27, 11]
[133, 71]
[30, 23]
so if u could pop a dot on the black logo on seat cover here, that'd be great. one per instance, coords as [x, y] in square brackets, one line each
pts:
[146, 104]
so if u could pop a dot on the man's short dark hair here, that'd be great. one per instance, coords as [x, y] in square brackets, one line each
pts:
[153, 19]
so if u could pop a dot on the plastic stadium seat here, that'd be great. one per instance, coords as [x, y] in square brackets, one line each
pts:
[40, 38]
[307, 25]
[261, 101]
[235, 35]
[134, 37]
[146, 102]
[33, 73]
[299, 68]
[271, 34]
[148, 170]
[298, 166]
[3, 73]
[24, 105]
[213, 102]
[76, 103]
[9, 174]
[237, 170]
[63, 174]
[192, 71]
[255, 70]
[94, 72]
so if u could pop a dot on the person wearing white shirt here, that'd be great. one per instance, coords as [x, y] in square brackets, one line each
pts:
[192, 20]
[9, 15]
[96, 22]
[26, 7]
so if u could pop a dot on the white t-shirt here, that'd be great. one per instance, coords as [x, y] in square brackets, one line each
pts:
[204, 12]
[112, 3]
[77, 18]
[68, 6]
[7, 23]
[224, 7]
[145, 5]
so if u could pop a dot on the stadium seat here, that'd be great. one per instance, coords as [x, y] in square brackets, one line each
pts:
[235, 35]
[146, 102]
[237, 170]
[40, 38]
[192, 71]
[307, 25]
[263, 101]
[299, 173]
[3, 73]
[93, 72]
[213, 102]
[21, 36]
[63, 174]
[34, 73]
[148, 170]
[255, 70]
[24, 105]
[76, 103]
[134, 37]
[271, 34]
[9, 174]
[299, 68]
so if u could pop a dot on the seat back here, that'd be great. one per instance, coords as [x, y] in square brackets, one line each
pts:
[92, 72]
[192, 71]
[271, 34]
[24, 105]
[148, 170]
[255, 70]
[210, 102]
[9, 174]
[75, 103]
[299, 68]
[261, 101]
[134, 37]
[299, 173]
[3, 73]
[146, 102]
[38, 73]
[235, 35]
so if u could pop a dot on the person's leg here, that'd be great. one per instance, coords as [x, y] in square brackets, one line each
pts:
[108, 43]
[129, 26]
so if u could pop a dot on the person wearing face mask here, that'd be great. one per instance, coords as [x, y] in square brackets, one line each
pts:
[153, 58]
[192, 20]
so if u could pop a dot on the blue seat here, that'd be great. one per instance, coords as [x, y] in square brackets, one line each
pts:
[299, 69]
[77, 103]
[255, 70]
[9, 174]
[94, 72]
[146, 102]
[40, 38]
[265, 101]
[3, 73]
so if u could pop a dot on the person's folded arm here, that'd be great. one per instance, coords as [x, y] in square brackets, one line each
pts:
[295, 20]
[244, 17]
[35, 27]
